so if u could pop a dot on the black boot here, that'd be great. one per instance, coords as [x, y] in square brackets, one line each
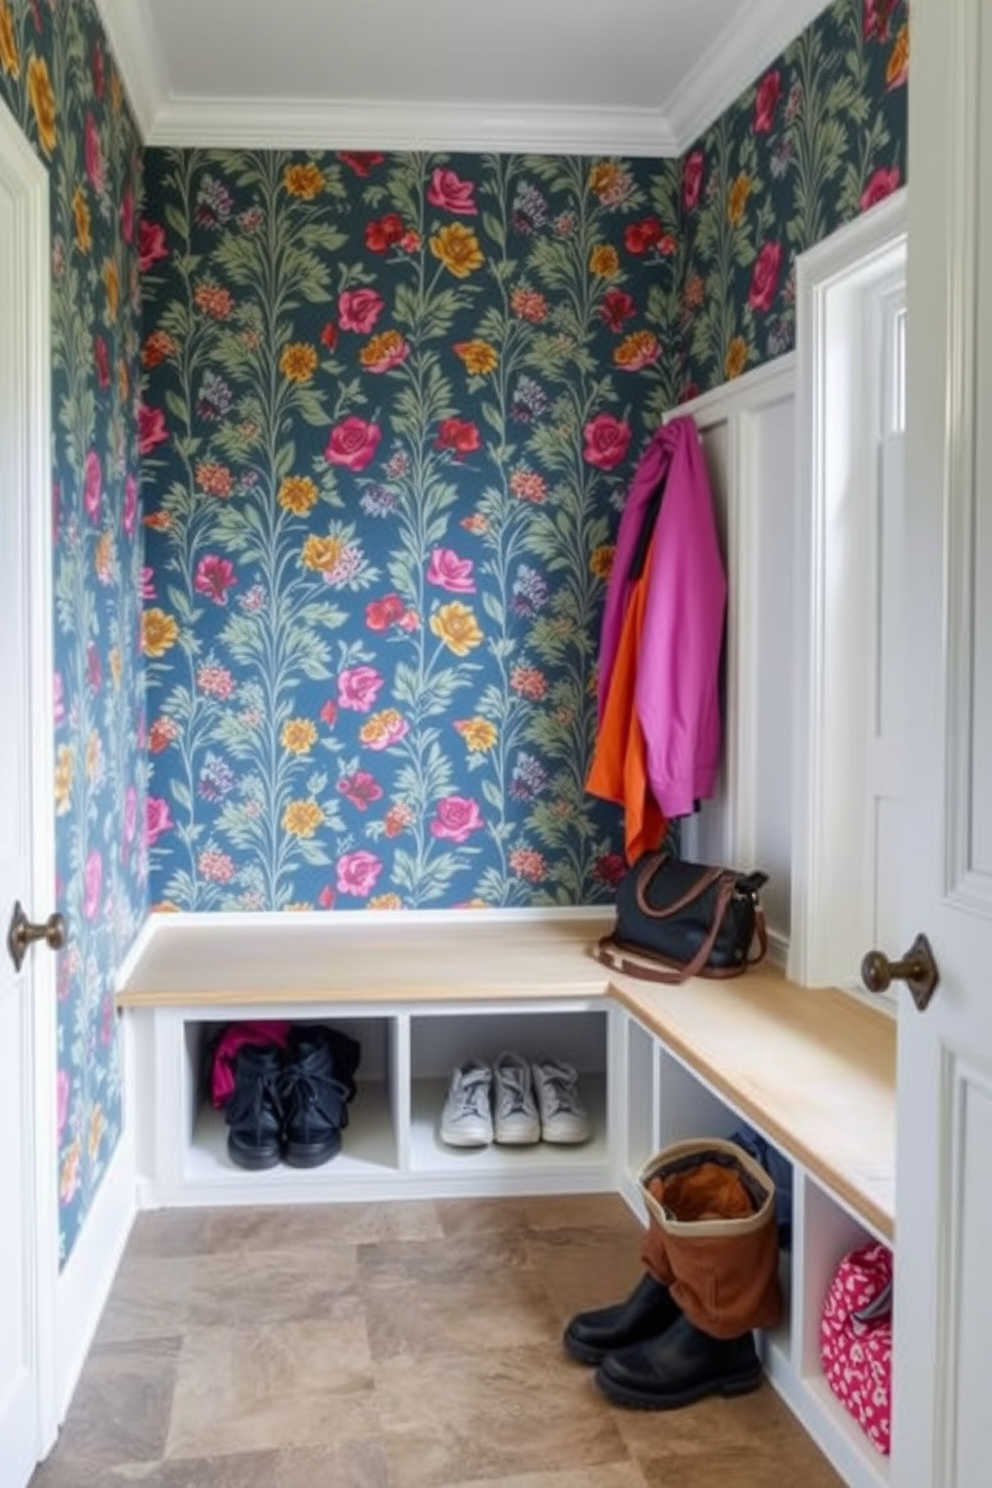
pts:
[315, 1087]
[681, 1366]
[648, 1311]
[254, 1111]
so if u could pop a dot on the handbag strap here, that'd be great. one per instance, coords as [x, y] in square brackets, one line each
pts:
[610, 953]
[706, 879]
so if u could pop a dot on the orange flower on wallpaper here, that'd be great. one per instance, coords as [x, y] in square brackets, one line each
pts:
[302, 818]
[637, 350]
[604, 261]
[158, 345]
[213, 300]
[64, 771]
[298, 362]
[736, 359]
[305, 181]
[601, 561]
[81, 213]
[112, 286]
[478, 356]
[478, 733]
[297, 494]
[528, 304]
[159, 632]
[214, 479]
[458, 249]
[42, 98]
[897, 68]
[383, 351]
[456, 627]
[9, 59]
[740, 190]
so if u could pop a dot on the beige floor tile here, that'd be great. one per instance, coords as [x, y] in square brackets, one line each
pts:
[610, 1475]
[285, 1384]
[500, 1308]
[489, 1414]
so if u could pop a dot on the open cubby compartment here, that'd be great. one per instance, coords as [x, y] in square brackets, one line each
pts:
[639, 1092]
[369, 1141]
[825, 1230]
[442, 1040]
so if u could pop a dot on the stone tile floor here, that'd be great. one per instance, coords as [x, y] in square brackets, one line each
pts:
[403, 1345]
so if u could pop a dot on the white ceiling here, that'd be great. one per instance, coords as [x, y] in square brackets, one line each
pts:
[635, 77]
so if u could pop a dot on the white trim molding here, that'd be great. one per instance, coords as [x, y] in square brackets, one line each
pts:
[836, 392]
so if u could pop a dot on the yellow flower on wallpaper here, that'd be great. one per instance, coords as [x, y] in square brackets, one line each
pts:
[603, 176]
[305, 181]
[64, 771]
[458, 249]
[479, 357]
[298, 735]
[297, 494]
[601, 561]
[740, 190]
[69, 1175]
[42, 99]
[94, 757]
[9, 59]
[112, 286]
[385, 901]
[302, 818]
[81, 213]
[736, 359]
[116, 662]
[478, 733]
[456, 626]
[604, 261]
[898, 63]
[159, 632]
[298, 362]
[322, 554]
[98, 1128]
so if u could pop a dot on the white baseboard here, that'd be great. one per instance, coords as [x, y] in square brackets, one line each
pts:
[85, 1281]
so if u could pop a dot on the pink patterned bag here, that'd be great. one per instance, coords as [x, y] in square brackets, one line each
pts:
[856, 1339]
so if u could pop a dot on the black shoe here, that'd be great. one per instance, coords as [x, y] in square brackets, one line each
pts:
[315, 1087]
[681, 1366]
[648, 1311]
[254, 1110]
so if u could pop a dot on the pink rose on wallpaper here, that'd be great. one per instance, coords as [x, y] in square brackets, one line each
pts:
[151, 428]
[357, 873]
[101, 361]
[214, 576]
[380, 614]
[459, 435]
[62, 1088]
[606, 441]
[158, 819]
[146, 582]
[617, 307]
[92, 484]
[358, 688]
[58, 689]
[449, 191]
[766, 100]
[92, 884]
[455, 818]
[93, 155]
[764, 277]
[360, 789]
[130, 505]
[127, 214]
[880, 185]
[353, 443]
[359, 309]
[692, 179]
[151, 244]
[450, 572]
[94, 667]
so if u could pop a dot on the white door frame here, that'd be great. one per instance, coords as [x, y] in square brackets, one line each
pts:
[29, 337]
[839, 283]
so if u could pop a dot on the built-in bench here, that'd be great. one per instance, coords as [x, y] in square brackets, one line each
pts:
[812, 1070]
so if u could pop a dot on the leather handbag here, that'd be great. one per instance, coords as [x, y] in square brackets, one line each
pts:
[682, 919]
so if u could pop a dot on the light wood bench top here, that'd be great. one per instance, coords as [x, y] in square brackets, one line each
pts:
[813, 1069]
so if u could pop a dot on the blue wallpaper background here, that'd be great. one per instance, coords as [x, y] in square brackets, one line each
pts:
[390, 408]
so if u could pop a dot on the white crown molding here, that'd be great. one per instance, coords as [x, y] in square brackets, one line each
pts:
[736, 58]
[483, 128]
[133, 41]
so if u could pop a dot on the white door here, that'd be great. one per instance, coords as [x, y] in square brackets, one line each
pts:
[28, 1226]
[943, 1311]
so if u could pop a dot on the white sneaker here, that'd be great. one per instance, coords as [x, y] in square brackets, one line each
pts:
[466, 1120]
[516, 1120]
[563, 1116]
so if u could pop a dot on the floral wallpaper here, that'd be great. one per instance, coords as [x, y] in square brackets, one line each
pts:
[390, 406]
[61, 84]
[817, 139]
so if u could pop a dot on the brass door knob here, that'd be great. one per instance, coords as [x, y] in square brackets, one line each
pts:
[917, 969]
[22, 933]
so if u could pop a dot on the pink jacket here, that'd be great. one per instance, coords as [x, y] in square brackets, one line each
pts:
[676, 693]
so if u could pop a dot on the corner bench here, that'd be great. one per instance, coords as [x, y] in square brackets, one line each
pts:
[812, 1070]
